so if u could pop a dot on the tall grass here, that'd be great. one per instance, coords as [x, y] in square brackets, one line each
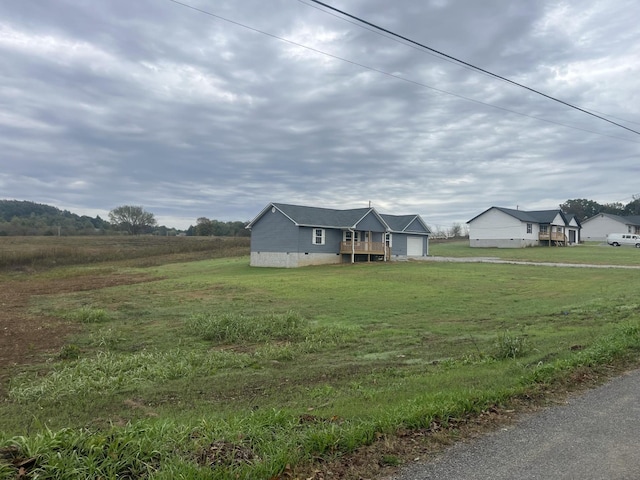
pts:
[112, 372]
[238, 328]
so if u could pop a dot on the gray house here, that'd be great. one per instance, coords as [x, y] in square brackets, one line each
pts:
[294, 236]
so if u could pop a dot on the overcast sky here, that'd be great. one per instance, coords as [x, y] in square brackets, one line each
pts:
[215, 113]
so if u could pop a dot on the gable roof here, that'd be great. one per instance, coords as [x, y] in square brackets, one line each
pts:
[628, 220]
[323, 217]
[536, 216]
[401, 223]
[572, 217]
[304, 216]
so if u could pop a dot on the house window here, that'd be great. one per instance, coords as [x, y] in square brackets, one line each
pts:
[318, 236]
[544, 228]
[529, 228]
[388, 239]
[349, 235]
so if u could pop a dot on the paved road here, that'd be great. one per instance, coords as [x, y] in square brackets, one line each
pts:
[595, 436]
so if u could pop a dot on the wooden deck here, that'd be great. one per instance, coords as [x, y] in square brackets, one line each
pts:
[557, 238]
[365, 248]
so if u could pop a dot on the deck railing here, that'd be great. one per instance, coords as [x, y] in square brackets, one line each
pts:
[368, 248]
[554, 236]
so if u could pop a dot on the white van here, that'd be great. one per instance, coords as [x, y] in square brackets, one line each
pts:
[619, 239]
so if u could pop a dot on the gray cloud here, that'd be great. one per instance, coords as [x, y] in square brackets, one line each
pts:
[156, 104]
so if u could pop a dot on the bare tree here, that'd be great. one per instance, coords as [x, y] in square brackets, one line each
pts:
[133, 219]
[455, 231]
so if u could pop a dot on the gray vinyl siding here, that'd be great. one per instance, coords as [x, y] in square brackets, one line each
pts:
[371, 223]
[274, 232]
[332, 239]
[417, 227]
[399, 247]
[282, 234]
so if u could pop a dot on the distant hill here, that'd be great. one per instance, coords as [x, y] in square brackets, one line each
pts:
[19, 217]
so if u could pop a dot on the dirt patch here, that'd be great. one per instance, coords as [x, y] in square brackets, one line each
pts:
[25, 338]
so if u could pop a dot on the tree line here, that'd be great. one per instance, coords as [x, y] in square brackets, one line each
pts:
[28, 218]
[583, 208]
[21, 218]
[216, 228]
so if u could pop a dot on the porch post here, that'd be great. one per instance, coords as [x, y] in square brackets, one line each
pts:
[353, 246]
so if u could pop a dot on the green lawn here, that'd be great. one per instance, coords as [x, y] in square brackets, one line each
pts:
[218, 370]
[591, 253]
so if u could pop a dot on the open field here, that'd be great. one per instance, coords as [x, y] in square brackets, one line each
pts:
[213, 369]
[17, 252]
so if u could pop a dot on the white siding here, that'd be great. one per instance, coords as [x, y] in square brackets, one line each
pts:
[558, 220]
[596, 229]
[498, 229]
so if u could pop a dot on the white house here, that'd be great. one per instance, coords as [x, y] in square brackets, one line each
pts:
[508, 228]
[596, 228]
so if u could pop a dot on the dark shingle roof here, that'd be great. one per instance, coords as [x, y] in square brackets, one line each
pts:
[626, 220]
[322, 217]
[536, 216]
[334, 218]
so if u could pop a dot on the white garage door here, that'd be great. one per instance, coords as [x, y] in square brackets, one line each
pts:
[414, 246]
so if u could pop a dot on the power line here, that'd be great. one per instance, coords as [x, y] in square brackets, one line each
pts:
[462, 62]
[397, 77]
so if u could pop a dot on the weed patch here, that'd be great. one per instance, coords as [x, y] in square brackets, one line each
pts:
[509, 345]
[113, 372]
[89, 315]
[233, 328]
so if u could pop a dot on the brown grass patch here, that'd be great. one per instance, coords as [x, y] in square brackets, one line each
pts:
[25, 337]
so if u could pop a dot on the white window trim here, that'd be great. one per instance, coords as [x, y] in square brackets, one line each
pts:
[355, 235]
[314, 237]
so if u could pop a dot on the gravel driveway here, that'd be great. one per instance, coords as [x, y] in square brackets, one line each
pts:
[519, 262]
[594, 436]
